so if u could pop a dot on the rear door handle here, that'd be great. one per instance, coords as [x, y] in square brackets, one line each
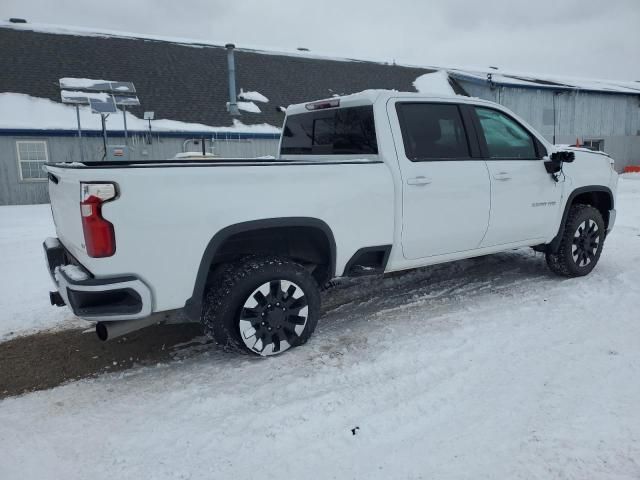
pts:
[418, 181]
[502, 176]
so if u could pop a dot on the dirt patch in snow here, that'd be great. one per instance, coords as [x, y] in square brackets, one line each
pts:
[48, 359]
[45, 360]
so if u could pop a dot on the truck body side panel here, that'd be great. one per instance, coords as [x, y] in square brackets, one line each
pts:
[165, 217]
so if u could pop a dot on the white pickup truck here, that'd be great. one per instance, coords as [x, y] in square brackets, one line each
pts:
[369, 183]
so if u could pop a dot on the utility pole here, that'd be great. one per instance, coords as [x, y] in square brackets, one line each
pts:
[103, 118]
[79, 133]
[124, 117]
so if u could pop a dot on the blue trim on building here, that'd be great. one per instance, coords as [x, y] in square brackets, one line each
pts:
[25, 132]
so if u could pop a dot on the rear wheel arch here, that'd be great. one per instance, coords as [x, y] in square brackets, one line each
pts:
[304, 239]
[597, 196]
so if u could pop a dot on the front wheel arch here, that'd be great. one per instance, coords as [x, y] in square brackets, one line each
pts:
[597, 196]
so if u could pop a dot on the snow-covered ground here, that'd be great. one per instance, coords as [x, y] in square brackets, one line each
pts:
[486, 368]
[24, 280]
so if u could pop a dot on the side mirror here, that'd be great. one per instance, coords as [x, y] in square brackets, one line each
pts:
[554, 165]
[563, 157]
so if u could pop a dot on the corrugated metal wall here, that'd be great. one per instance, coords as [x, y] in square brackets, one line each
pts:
[615, 119]
[13, 191]
[584, 115]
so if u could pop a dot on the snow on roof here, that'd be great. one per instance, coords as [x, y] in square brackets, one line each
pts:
[188, 42]
[252, 96]
[500, 77]
[68, 82]
[75, 95]
[436, 83]
[249, 107]
[544, 81]
[43, 114]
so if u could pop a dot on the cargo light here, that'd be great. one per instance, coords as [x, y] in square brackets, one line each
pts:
[99, 235]
[335, 102]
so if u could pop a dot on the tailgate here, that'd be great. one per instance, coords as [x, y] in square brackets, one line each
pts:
[64, 192]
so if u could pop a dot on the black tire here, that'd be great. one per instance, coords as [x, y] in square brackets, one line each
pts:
[581, 244]
[278, 327]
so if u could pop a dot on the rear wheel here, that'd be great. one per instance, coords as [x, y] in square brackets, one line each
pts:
[581, 243]
[263, 306]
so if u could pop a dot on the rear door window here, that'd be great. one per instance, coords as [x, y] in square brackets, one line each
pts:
[432, 131]
[343, 131]
[505, 138]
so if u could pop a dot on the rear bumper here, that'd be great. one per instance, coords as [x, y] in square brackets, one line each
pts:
[123, 297]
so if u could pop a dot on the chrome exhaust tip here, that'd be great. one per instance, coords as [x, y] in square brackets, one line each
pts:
[114, 329]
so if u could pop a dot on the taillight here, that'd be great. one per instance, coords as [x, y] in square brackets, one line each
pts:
[99, 236]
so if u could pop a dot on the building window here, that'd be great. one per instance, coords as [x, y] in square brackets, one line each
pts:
[595, 145]
[32, 155]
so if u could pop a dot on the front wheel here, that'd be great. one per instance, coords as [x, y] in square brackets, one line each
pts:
[581, 243]
[264, 306]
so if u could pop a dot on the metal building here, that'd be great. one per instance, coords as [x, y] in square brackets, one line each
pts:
[185, 83]
[188, 87]
[23, 152]
[597, 114]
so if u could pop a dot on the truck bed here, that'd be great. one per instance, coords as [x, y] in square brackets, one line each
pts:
[167, 211]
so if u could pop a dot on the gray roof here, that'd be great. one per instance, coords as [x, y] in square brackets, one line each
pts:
[185, 82]
[494, 76]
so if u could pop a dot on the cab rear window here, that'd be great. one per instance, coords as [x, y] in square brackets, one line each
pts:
[342, 131]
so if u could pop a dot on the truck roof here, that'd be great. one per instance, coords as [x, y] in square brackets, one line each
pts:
[369, 97]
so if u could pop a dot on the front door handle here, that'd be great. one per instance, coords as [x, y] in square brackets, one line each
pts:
[418, 181]
[502, 176]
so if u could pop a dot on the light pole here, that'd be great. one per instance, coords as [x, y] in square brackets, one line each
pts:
[149, 116]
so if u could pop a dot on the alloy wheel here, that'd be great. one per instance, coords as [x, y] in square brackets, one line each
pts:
[273, 317]
[586, 241]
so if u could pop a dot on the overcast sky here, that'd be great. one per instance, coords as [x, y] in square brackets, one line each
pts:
[593, 38]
